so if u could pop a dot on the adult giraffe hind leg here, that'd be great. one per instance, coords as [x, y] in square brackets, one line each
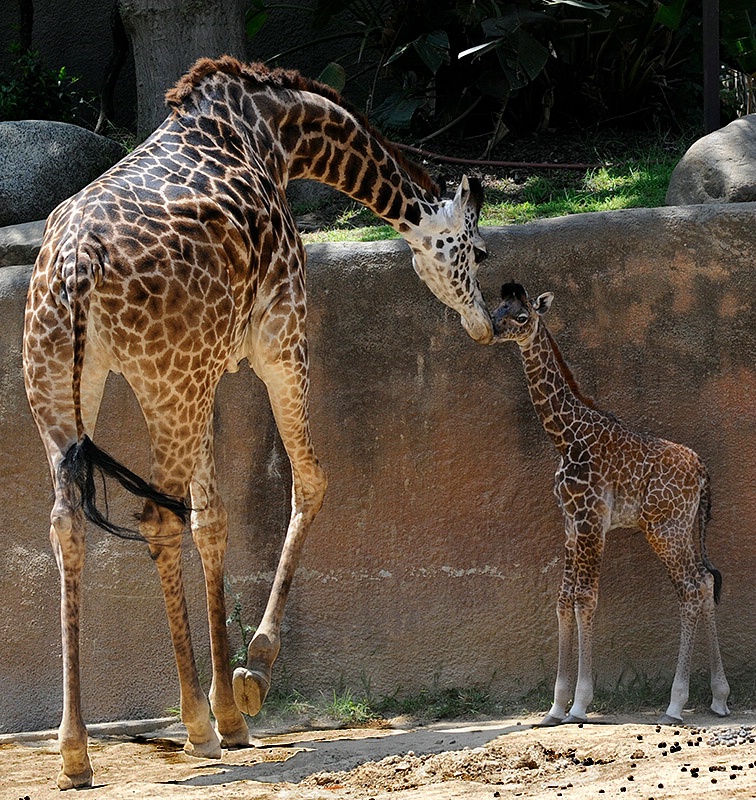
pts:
[67, 539]
[210, 533]
[48, 382]
[176, 446]
[163, 531]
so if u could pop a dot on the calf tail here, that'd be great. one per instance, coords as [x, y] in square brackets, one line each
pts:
[78, 469]
[704, 515]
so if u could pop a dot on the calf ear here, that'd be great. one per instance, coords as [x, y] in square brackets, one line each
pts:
[543, 302]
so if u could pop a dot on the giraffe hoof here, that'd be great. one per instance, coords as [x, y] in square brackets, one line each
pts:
[236, 737]
[571, 719]
[81, 780]
[666, 719]
[549, 722]
[208, 749]
[250, 690]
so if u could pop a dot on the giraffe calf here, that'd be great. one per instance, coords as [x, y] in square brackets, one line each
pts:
[612, 477]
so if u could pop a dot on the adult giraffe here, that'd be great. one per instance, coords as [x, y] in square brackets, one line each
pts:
[171, 268]
[611, 477]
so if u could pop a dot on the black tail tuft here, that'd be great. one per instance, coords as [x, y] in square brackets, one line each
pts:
[79, 465]
[717, 581]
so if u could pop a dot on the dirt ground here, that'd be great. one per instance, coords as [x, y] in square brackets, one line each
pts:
[627, 756]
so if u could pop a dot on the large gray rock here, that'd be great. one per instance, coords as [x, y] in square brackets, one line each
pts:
[19, 244]
[42, 163]
[718, 168]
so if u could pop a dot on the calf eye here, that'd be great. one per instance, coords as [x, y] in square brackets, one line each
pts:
[521, 318]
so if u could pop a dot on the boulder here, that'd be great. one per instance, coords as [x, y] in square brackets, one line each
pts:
[718, 168]
[19, 244]
[42, 163]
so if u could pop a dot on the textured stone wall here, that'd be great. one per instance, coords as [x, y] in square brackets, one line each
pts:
[437, 555]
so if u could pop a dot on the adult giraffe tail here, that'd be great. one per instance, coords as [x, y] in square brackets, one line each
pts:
[704, 515]
[84, 458]
[78, 468]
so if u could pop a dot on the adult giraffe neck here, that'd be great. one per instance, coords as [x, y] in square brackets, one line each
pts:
[302, 129]
[328, 143]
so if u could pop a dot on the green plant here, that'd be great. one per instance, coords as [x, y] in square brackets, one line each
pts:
[483, 67]
[436, 702]
[236, 622]
[29, 90]
[348, 708]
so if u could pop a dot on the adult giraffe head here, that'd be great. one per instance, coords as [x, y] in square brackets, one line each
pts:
[447, 250]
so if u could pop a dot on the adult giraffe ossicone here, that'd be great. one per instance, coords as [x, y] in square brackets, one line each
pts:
[611, 477]
[171, 268]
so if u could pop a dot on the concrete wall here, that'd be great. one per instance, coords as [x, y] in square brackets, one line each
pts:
[437, 555]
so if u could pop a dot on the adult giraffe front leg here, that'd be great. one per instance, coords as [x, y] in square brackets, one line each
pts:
[287, 384]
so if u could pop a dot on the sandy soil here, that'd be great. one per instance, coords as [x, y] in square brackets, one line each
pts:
[628, 756]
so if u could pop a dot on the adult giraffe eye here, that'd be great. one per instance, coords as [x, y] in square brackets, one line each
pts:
[479, 254]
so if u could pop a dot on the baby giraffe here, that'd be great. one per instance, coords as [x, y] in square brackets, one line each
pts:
[611, 477]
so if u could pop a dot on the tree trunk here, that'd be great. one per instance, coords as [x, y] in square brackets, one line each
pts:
[167, 36]
[26, 24]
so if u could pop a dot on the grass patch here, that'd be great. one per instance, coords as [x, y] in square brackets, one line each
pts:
[631, 185]
[344, 707]
[637, 179]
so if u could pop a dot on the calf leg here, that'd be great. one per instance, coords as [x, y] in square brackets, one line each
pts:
[720, 688]
[566, 622]
[673, 543]
[589, 534]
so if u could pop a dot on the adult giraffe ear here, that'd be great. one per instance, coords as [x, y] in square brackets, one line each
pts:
[462, 195]
[543, 302]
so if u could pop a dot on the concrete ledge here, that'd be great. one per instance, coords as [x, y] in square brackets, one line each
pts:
[437, 556]
[128, 727]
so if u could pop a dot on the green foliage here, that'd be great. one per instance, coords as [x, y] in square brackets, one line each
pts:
[482, 67]
[349, 708]
[30, 90]
[237, 624]
[440, 703]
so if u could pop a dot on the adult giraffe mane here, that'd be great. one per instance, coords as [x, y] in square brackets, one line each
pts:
[262, 76]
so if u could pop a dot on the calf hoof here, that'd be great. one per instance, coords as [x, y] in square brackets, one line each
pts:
[549, 722]
[720, 711]
[571, 719]
[250, 690]
[666, 719]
